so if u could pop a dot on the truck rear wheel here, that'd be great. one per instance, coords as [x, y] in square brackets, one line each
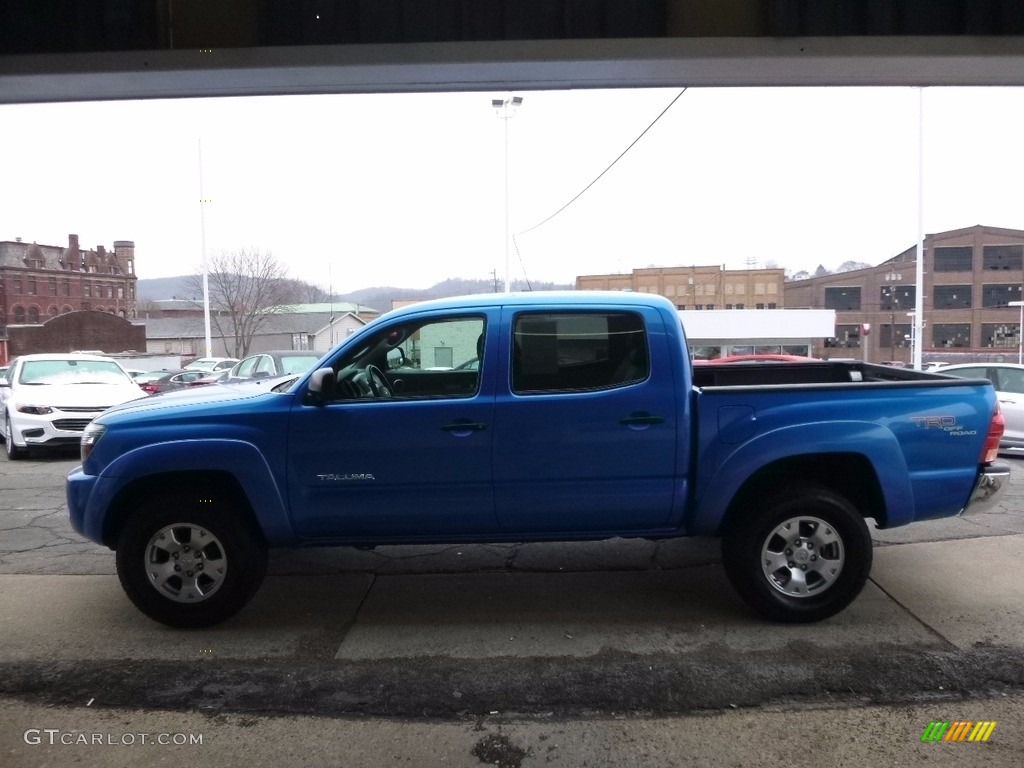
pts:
[804, 557]
[190, 559]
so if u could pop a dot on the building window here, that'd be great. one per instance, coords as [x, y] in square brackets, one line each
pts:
[53, 286]
[66, 287]
[951, 296]
[728, 306]
[1003, 257]
[110, 291]
[53, 311]
[958, 258]
[1000, 335]
[87, 290]
[772, 305]
[709, 306]
[847, 337]
[739, 306]
[902, 336]
[19, 314]
[951, 335]
[999, 295]
[16, 286]
[896, 297]
[30, 286]
[842, 299]
[759, 306]
[120, 291]
[131, 291]
[33, 314]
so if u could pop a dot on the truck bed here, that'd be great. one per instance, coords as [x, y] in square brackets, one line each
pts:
[812, 373]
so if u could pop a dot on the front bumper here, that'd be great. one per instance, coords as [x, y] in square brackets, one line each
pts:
[51, 429]
[988, 488]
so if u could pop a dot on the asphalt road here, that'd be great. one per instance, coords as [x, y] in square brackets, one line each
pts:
[610, 653]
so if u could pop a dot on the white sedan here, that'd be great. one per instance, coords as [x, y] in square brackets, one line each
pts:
[48, 399]
[1008, 381]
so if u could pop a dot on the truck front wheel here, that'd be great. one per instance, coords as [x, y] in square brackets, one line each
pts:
[804, 557]
[190, 559]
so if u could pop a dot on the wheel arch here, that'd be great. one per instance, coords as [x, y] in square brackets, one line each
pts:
[135, 492]
[851, 475]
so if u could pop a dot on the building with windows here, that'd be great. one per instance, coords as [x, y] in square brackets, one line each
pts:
[39, 282]
[698, 288]
[971, 276]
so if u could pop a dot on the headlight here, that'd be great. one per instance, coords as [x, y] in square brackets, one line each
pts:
[36, 410]
[92, 434]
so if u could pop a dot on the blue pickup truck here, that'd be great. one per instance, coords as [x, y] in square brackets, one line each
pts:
[534, 417]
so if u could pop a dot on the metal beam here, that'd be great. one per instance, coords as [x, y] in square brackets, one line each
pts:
[520, 66]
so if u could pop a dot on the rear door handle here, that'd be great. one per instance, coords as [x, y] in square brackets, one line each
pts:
[464, 426]
[635, 420]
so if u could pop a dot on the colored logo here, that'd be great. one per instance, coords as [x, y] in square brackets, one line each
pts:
[959, 730]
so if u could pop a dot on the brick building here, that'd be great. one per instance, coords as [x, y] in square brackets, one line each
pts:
[38, 282]
[698, 288]
[970, 277]
[41, 282]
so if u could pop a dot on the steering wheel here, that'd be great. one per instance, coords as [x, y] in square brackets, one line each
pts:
[378, 384]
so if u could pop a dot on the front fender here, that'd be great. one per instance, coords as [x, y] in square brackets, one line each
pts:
[872, 441]
[237, 458]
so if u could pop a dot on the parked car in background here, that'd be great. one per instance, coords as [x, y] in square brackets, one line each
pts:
[213, 377]
[49, 399]
[764, 358]
[147, 376]
[171, 380]
[3, 371]
[266, 365]
[1008, 381]
[211, 364]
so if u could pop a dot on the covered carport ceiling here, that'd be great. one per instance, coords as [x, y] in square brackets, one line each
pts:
[73, 50]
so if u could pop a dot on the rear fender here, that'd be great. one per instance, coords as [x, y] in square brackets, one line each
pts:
[875, 443]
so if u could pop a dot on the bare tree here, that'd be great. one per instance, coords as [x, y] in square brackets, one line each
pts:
[307, 293]
[247, 288]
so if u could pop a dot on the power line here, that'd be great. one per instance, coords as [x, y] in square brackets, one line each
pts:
[612, 165]
[515, 243]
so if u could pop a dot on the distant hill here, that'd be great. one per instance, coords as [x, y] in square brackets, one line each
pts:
[380, 298]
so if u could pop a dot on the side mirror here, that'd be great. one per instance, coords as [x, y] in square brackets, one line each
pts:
[322, 384]
[396, 358]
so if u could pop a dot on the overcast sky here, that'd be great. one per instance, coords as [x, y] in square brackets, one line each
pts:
[353, 191]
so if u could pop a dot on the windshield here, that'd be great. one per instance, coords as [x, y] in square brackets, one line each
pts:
[72, 372]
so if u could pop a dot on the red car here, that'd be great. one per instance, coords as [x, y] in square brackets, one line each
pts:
[756, 359]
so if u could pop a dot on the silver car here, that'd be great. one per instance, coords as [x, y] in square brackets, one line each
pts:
[1008, 381]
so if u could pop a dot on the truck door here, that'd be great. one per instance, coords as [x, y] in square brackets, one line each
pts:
[402, 447]
[585, 429]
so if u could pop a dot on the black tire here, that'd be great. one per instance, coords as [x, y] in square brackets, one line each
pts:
[804, 557]
[14, 452]
[190, 559]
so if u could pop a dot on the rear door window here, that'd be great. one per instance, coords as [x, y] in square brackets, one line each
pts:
[578, 351]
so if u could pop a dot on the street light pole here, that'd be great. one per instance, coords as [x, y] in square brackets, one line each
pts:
[1020, 331]
[501, 108]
